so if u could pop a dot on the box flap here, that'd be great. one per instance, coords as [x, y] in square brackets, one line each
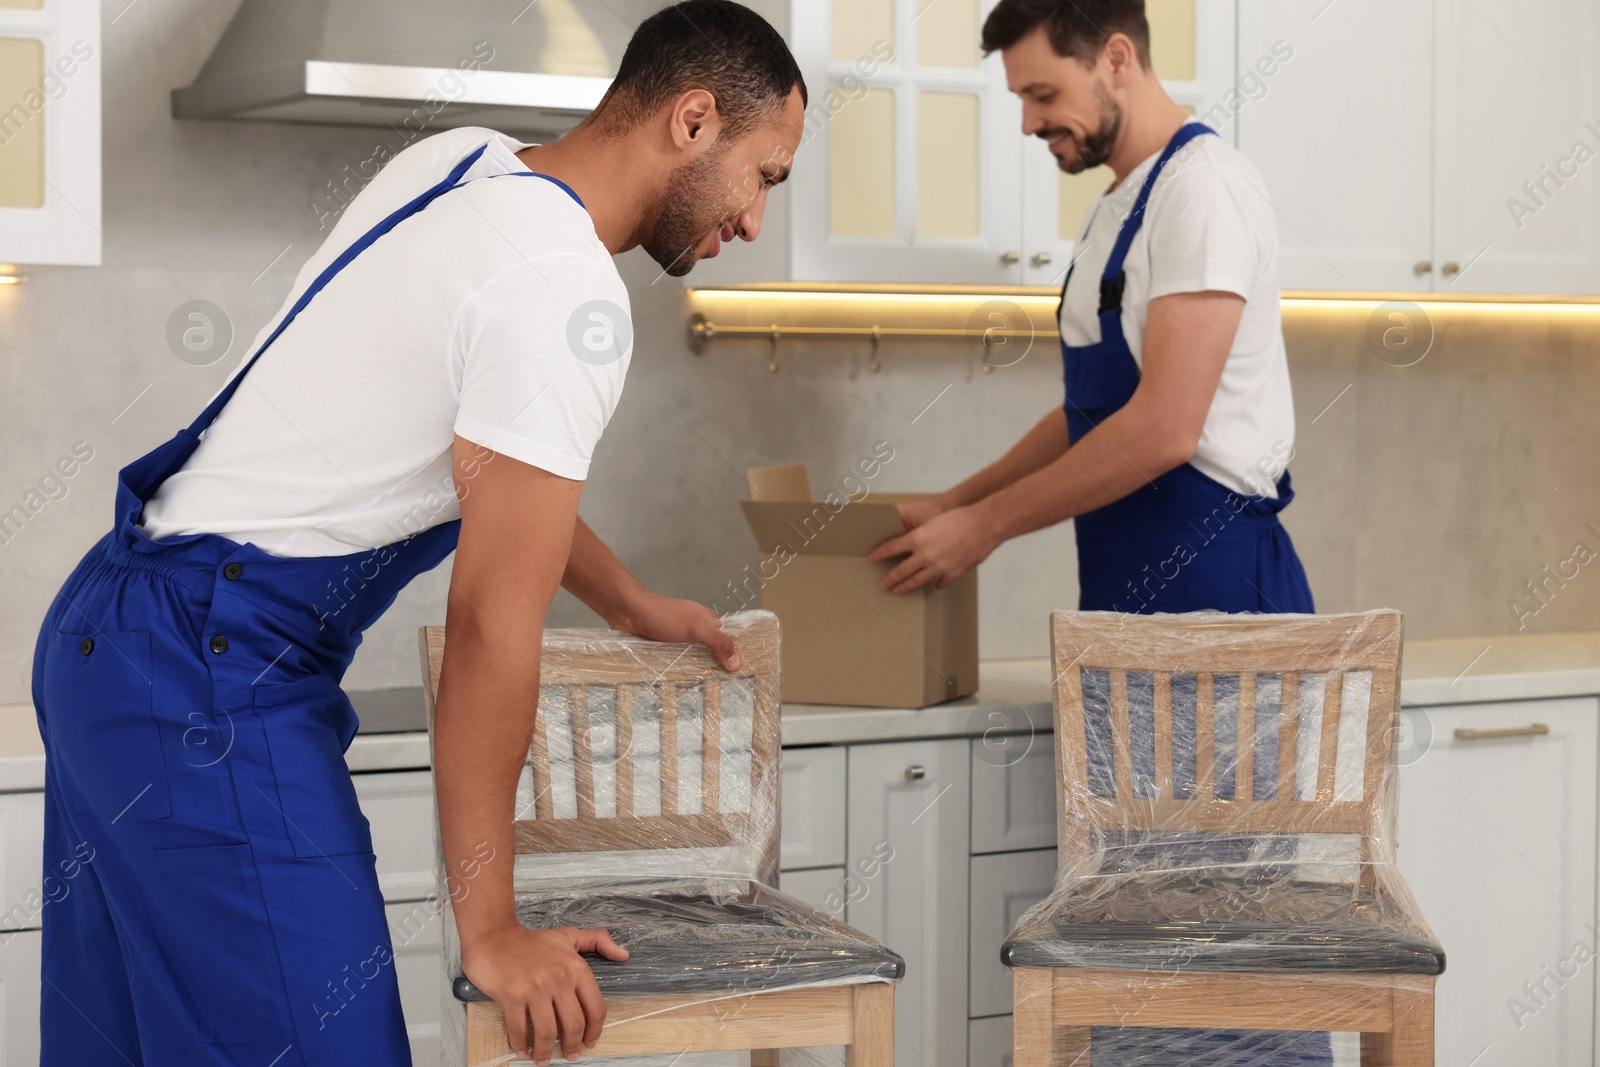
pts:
[786, 483]
[813, 528]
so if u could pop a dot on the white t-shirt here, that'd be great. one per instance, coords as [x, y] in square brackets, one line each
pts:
[494, 313]
[1208, 226]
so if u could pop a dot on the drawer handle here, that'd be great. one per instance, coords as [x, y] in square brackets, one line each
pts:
[916, 772]
[1536, 730]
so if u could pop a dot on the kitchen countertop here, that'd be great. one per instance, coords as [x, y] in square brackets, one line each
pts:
[1014, 697]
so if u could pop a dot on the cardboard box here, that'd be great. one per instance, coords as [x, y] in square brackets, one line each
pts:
[845, 641]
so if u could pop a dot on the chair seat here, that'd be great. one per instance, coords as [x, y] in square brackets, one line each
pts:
[706, 939]
[1220, 920]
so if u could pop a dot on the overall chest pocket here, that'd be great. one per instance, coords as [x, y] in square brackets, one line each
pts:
[309, 723]
[99, 712]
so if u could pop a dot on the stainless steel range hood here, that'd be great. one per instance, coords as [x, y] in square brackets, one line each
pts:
[519, 66]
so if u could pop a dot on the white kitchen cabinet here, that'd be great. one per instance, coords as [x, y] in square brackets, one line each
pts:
[1387, 177]
[1013, 793]
[1346, 157]
[906, 884]
[49, 132]
[1497, 841]
[812, 832]
[19, 998]
[22, 888]
[399, 807]
[416, 932]
[822, 888]
[989, 1044]
[1003, 887]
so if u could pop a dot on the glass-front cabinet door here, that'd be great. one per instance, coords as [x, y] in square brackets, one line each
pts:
[909, 164]
[1192, 52]
[49, 132]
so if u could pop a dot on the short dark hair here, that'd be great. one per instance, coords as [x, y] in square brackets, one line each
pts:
[716, 45]
[1077, 28]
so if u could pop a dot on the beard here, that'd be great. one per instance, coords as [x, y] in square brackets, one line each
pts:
[1095, 148]
[689, 211]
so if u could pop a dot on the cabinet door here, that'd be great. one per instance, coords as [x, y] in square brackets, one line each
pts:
[909, 161]
[990, 1042]
[399, 805]
[49, 132]
[1192, 52]
[823, 888]
[1518, 112]
[813, 808]
[1345, 147]
[1013, 792]
[906, 884]
[1003, 887]
[416, 931]
[19, 998]
[22, 889]
[1497, 841]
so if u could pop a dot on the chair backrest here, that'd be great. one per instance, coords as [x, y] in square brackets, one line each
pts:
[651, 751]
[1233, 724]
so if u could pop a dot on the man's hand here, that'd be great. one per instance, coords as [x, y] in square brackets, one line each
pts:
[944, 548]
[538, 976]
[662, 618]
[917, 512]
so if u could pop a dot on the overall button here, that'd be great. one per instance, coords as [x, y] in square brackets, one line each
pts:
[232, 572]
[87, 646]
[219, 644]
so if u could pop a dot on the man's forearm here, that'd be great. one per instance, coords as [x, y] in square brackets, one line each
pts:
[1127, 451]
[597, 577]
[1038, 448]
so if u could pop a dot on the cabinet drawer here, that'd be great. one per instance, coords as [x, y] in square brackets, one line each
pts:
[399, 805]
[989, 1042]
[1013, 793]
[1003, 887]
[822, 889]
[22, 889]
[813, 808]
[416, 930]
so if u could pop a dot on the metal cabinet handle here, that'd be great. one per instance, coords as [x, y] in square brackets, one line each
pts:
[916, 772]
[1041, 259]
[1536, 730]
[1423, 266]
[1451, 268]
[1010, 257]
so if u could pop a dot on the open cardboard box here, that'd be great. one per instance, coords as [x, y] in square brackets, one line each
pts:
[845, 641]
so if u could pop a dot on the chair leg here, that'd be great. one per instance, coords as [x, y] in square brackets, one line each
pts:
[1413, 1025]
[874, 1021]
[1072, 1046]
[1032, 1037]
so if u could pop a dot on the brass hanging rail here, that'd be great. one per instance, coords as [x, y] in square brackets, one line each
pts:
[702, 331]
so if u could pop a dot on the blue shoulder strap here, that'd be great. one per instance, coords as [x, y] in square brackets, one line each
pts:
[1112, 278]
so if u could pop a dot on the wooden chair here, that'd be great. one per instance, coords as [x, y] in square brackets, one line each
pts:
[653, 775]
[1165, 734]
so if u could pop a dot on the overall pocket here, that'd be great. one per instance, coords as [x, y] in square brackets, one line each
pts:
[309, 723]
[99, 712]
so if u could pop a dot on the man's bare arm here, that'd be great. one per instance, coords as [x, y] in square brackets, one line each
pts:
[516, 531]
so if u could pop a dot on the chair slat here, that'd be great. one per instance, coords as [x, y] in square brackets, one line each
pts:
[1121, 745]
[669, 748]
[1244, 787]
[1328, 747]
[710, 745]
[582, 750]
[1225, 816]
[624, 750]
[1288, 734]
[543, 799]
[1205, 731]
[1162, 726]
[1072, 757]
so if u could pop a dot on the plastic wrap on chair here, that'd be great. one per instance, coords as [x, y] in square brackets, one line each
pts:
[648, 806]
[1227, 798]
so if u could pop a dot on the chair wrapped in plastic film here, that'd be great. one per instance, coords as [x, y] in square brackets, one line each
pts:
[1226, 821]
[648, 805]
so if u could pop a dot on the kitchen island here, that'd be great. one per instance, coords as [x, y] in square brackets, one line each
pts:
[1498, 841]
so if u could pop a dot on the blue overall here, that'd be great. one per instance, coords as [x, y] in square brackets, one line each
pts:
[215, 900]
[1182, 542]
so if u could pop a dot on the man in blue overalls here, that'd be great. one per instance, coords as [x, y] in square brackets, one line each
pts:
[436, 381]
[1170, 453]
